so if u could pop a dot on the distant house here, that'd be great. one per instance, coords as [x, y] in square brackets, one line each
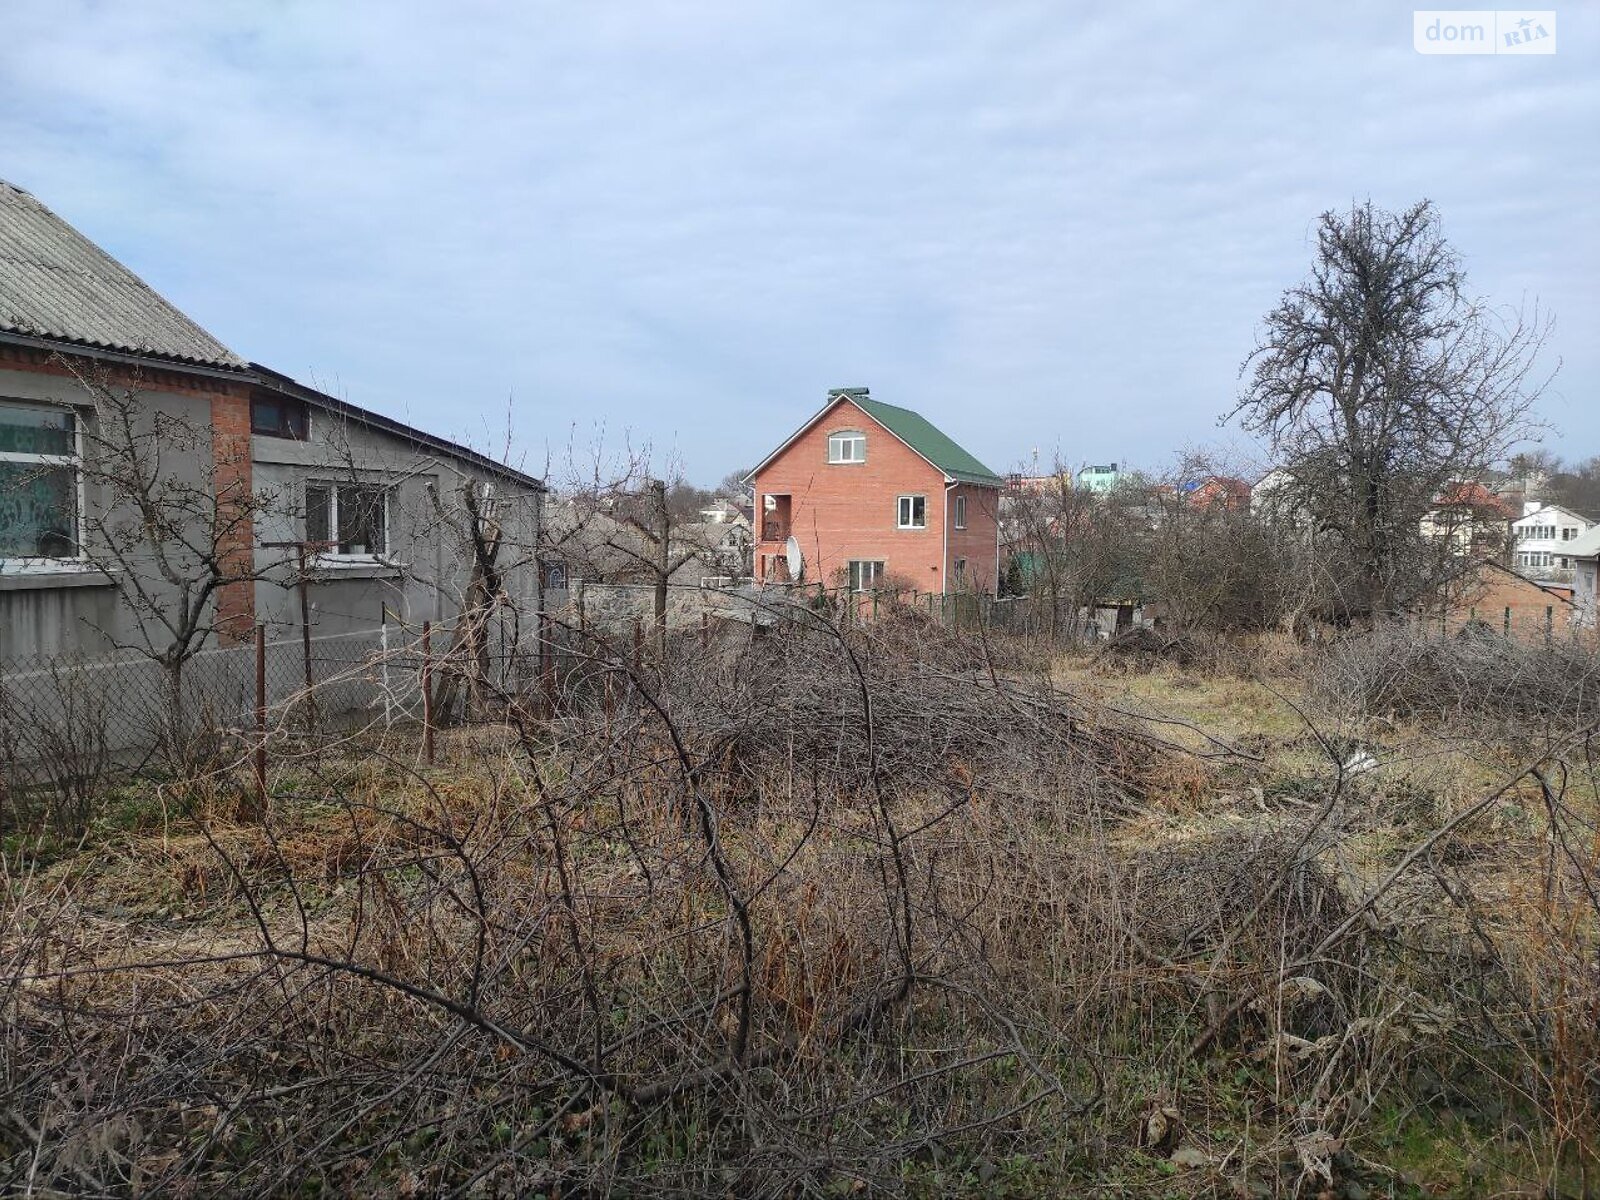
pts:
[1099, 477]
[593, 544]
[1471, 518]
[1218, 492]
[1542, 540]
[338, 518]
[1019, 483]
[1277, 496]
[872, 495]
[721, 511]
[1485, 594]
[724, 548]
[1584, 554]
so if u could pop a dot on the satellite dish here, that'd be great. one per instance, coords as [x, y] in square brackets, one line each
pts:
[797, 562]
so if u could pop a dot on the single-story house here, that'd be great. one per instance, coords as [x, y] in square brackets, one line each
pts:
[156, 485]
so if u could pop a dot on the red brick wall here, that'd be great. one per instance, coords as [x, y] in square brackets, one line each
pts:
[1491, 593]
[976, 543]
[232, 479]
[845, 511]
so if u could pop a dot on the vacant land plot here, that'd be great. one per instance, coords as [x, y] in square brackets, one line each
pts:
[833, 912]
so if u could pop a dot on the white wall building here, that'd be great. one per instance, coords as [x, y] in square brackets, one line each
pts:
[1584, 553]
[1542, 539]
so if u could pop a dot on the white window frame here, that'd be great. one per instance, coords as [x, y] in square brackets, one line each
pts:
[877, 569]
[76, 560]
[905, 511]
[961, 512]
[335, 555]
[839, 439]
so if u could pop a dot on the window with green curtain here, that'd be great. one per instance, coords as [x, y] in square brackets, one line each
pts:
[38, 482]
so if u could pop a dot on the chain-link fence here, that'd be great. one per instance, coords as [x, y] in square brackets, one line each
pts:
[71, 723]
[127, 704]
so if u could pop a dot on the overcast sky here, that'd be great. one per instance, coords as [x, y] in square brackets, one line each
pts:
[1044, 229]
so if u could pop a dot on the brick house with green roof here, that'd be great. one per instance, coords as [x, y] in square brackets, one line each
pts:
[875, 496]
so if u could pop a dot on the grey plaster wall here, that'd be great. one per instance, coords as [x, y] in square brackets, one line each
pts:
[88, 613]
[429, 559]
[424, 579]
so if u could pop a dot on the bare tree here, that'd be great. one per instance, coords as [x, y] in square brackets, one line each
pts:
[1575, 485]
[170, 523]
[620, 520]
[1380, 383]
[736, 486]
[1074, 548]
[476, 527]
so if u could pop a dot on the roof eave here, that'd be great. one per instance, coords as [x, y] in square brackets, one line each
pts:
[267, 377]
[993, 481]
[214, 370]
[795, 436]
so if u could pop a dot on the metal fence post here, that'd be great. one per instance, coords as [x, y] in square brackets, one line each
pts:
[305, 622]
[427, 692]
[261, 719]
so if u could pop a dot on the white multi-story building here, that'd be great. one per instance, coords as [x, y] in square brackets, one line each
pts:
[1542, 539]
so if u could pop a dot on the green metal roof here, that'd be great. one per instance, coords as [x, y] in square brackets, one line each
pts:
[919, 433]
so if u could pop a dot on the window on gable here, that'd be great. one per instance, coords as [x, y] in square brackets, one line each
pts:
[38, 482]
[347, 518]
[913, 512]
[279, 416]
[961, 512]
[847, 446]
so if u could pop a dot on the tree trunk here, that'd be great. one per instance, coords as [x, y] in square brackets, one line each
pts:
[663, 565]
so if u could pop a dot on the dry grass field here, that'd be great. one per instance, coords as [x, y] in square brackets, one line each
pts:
[828, 913]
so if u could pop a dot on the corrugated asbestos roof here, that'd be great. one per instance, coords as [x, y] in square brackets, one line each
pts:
[925, 438]
[57, 284]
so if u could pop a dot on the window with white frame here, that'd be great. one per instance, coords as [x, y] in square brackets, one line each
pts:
[865, 574]
[348, 518]
[961, 570]
[961, 512]
[1538, 533]
[1569, 533]
[39, 462]
[912, 512]
[847, 446]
